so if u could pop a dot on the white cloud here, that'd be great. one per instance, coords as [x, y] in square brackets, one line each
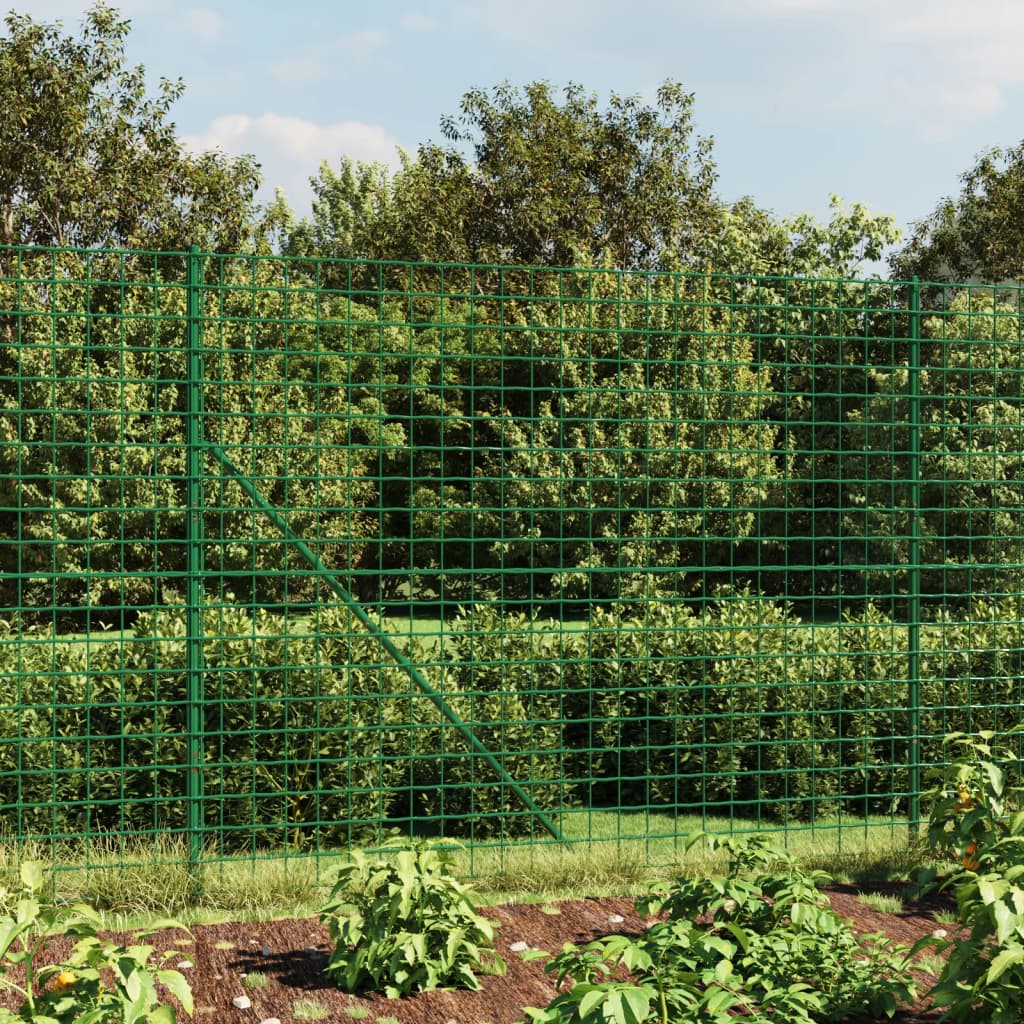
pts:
[945, 108]
[292, 148]
[203, 23]
[297, 138]
[416, 21]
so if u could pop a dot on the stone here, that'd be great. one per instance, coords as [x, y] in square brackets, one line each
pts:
[241, 1002]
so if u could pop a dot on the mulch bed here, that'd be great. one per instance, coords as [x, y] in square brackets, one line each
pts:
[290, 954]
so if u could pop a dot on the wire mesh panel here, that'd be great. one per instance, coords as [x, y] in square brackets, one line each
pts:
[295, 552]
[92, 515]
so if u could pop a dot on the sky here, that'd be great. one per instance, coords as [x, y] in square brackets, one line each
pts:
[885, 102]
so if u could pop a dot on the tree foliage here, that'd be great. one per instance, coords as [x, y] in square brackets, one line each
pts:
[88, 158]
[528, 179]
[977, 236]
[573, 435]
[570, 183]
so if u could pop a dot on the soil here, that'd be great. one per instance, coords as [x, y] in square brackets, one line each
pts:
[290, 954]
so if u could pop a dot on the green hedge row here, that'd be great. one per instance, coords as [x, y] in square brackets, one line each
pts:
[745, 708]
[320, 738]
[308, 738]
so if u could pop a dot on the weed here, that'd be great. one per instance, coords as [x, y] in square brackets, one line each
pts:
[882, 902]
[308, 1009]
[930, 963]
[977, 818]
[99, 982]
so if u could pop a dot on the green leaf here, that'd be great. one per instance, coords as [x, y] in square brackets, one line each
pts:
[627, 1006]
[176, 983]
[1004, 960]
[590, 1000]
[990, 888]
[32, 876]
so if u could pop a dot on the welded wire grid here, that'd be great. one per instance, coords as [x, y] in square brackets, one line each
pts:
[297, 551]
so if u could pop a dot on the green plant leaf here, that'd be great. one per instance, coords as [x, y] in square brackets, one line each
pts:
[590, 1000]
[32, 876]
[1004, 960]
[175, 983]
[628, 1006]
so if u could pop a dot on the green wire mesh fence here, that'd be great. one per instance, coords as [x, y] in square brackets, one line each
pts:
[295, 552]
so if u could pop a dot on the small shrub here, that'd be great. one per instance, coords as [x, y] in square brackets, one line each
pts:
[759, 944]
[400, 923]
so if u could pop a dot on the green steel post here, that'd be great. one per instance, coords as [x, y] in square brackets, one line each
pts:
[385, 641]
[195, 666]
[914, 556]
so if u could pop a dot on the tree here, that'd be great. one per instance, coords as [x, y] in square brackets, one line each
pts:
[351, 210]
[571, 184]
[527, 179]
[978, 236]
[88, 159]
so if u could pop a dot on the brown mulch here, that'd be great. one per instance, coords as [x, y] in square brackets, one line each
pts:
[290, 954]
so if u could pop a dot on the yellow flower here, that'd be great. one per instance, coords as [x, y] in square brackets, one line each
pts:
[964, 799]
[968, 860]
[64, 980]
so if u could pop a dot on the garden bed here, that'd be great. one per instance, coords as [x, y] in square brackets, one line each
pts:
[277, 965]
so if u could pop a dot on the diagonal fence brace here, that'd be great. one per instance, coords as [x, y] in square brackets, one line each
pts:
[385, 640]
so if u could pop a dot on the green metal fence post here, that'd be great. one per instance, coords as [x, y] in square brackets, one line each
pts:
[195, 632]
[914, 558]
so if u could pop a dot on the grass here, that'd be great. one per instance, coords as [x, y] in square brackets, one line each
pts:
[308, 1009]
[931, 963]
[946, 917]
[619, 854]
[255, 980]
[609, 854]
[882, 902]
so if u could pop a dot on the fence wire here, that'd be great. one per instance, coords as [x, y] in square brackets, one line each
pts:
[295, 552]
